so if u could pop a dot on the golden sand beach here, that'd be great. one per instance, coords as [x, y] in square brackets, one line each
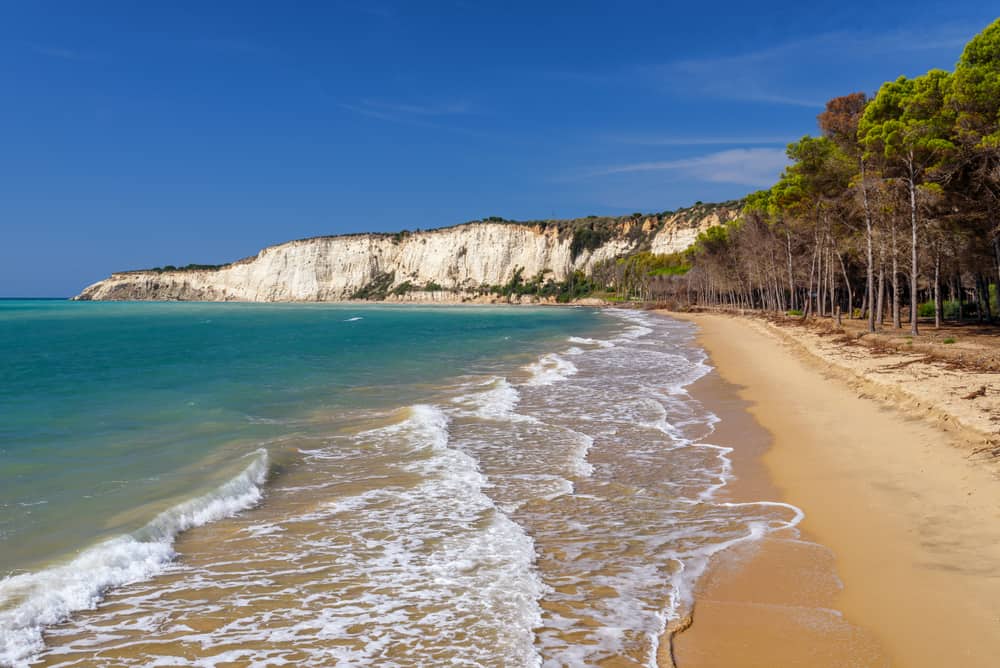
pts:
[899, 554]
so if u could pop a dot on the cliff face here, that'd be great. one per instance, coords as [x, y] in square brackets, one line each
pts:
[680, 230]
[451, 264]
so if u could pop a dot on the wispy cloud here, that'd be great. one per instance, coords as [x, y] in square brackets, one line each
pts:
[747, 77]
[943, 36]
[746, 166]
[700, 141]
[775, 74]
[433, 116]
[371, 113]
[799, 72]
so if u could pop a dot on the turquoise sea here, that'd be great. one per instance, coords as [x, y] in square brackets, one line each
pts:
[293, 484]
[107, 409]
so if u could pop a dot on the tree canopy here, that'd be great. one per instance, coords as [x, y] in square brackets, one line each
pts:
[894, 206]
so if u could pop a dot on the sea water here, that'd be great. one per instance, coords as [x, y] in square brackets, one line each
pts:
[207, 484]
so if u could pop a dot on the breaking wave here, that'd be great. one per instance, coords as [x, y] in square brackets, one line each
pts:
[31, 601]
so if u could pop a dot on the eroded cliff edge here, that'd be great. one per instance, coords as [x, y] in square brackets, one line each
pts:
[467, 262]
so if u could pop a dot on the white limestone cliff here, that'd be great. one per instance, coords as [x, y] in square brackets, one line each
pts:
[459, 263]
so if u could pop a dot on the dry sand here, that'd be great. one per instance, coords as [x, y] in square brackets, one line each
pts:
[896, 511]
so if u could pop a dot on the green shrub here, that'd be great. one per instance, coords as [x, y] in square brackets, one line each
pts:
[378, 288]
[793, 311]
[515, 286]
[671, 271]
[402, 289]
[674, 264]
[949, 340]
[187, 267]
[585, 238]
[950, 309]
[577, 286]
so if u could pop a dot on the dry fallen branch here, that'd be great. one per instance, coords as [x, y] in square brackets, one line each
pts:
[981, 392]
[989, 450]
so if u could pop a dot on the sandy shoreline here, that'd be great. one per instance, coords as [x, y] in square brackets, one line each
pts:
[906, 523]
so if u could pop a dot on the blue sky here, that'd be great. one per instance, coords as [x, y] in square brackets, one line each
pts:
[139, 134]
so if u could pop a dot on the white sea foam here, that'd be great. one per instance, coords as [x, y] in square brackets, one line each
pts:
[437, 556]
[580, 466]
[31, 601]
[550, 368]
[656, 487]
[438, 560]
[694, 561]
[592, 342]
[493, 399]
[545, 487]
[640, 325]
[493, 566]
[354, 319]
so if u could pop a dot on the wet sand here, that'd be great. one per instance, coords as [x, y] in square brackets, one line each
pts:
[898, 561]
[768, 603]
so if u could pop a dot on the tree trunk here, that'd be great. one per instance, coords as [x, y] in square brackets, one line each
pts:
[979, 297]
[850, 292]
[870, 269]
[896, 321]
[880, 310]
[914, 276]
[961, 297]
[791, 276]
[986, 298]
[832, 283]
[809, 294]
[996, 256]
[819, 278]
[937, 288]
